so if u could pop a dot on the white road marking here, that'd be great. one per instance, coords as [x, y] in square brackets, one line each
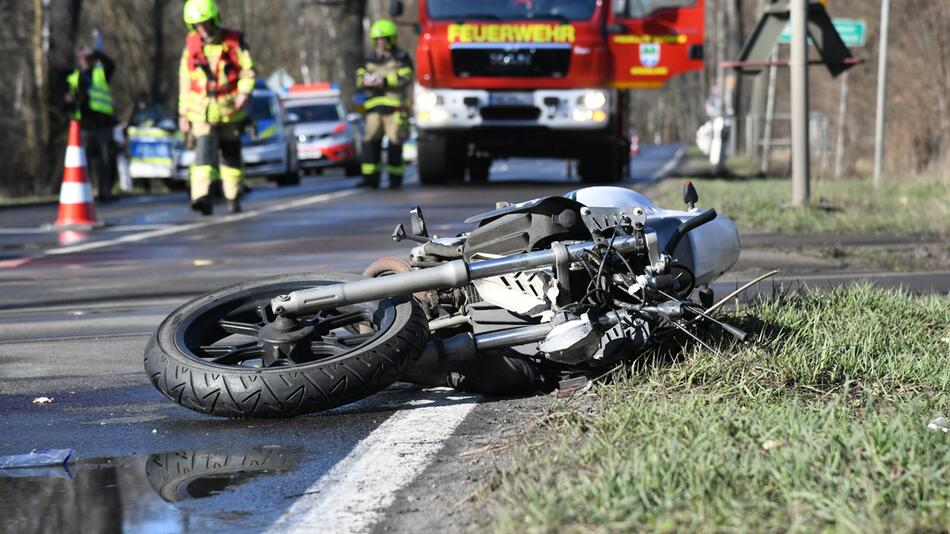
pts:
[669, 167]
[163, 232]
[353, 496]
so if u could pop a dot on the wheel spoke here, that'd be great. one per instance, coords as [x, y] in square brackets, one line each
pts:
[232, 354]
[355, 340]
[339, 321]
[239, 328]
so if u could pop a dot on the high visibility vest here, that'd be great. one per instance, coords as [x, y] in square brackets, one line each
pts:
[396, 71]
[100, 96]
[208, 94]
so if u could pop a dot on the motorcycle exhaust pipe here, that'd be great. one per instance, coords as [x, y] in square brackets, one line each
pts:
[453, 274]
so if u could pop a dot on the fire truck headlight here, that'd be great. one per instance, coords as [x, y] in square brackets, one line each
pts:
[594, 100]
[427, 100]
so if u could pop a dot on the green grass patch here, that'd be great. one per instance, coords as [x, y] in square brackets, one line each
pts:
[918, 205]
[820, 425]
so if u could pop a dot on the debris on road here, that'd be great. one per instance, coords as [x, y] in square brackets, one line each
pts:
[939, 424]
[38, 458]
[44, 400]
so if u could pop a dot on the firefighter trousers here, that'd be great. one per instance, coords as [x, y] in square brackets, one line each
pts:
[393, 125]
[210, 140]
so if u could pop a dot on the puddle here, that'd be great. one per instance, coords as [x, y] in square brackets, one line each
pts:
[157, 493]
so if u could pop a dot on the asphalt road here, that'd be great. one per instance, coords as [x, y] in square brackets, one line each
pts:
[77, 310]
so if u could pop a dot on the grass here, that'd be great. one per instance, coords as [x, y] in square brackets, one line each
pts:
[918, 205]
[821, 425]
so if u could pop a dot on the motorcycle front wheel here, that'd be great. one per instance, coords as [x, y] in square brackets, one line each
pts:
[216, 355]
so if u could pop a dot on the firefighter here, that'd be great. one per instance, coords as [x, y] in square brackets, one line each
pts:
[385, 78]
[90, 99]
[216, 79]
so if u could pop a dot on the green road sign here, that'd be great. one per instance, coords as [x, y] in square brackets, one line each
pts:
[853, 32]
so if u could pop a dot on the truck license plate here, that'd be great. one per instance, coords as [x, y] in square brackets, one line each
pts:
[509, 98]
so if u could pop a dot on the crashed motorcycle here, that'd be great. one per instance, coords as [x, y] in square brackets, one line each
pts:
[537, 294]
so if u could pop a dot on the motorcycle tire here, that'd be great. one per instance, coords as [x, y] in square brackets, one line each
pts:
[178, 358]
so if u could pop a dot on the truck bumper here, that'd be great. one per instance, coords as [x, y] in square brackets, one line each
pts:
[552, 109]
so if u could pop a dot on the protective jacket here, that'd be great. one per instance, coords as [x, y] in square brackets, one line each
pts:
[395, 68]
[92, 93]
[211, 76]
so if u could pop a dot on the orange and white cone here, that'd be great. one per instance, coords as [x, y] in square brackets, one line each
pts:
[76, 207]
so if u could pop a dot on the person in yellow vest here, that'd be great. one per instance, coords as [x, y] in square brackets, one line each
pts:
[216, 79]
[90, 100]
[385, 79]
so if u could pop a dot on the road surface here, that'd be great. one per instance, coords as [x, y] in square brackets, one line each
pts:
[77, 310]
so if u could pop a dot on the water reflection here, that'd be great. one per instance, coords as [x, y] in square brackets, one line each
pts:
[134, 494]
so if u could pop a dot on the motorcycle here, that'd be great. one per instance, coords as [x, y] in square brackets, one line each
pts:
[538, 293]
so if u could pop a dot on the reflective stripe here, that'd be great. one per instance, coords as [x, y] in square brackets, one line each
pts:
[383, 101]
[75, 157]
[405, 72]
[149, 133]
[231, 173]
[75, 193]
[203, 171]
[369, 168]
[396, 169]
[392, 79]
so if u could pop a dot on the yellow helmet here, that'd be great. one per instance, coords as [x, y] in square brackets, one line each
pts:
[383, 29]
[198, 11]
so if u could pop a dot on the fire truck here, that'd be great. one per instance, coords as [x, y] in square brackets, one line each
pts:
[541, 78]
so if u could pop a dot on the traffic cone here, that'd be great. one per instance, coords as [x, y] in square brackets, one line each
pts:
[76, 208]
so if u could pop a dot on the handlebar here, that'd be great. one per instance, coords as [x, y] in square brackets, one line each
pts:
[686, 227]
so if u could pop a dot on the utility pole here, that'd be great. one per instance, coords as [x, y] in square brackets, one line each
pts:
[842, 126]
[881, 94]
[798, 64]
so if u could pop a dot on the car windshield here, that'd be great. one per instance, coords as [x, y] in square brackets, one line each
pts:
[148, 115]
[316, 112]
[461, 10]
[263, 108]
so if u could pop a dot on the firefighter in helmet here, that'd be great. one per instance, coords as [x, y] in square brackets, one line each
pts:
[216, 79]
[385, 79]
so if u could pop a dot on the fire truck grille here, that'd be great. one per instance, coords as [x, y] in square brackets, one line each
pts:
[514, 61]
[510, 113]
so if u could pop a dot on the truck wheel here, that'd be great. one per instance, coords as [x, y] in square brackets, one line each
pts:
[441, 160]
[479, 170]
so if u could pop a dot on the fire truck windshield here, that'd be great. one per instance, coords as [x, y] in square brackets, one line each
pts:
[642, 8]
[465, 10]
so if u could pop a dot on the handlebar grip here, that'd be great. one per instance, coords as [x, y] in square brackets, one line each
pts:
[686, 227]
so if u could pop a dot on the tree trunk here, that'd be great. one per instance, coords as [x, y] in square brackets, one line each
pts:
[40, 82]
[158, 49]
[351, 30]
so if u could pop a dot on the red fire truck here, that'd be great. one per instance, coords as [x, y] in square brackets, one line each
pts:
[541, 78]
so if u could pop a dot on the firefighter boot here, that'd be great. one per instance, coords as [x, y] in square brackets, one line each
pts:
[203, 205]
[395, 181]
[234, 205]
